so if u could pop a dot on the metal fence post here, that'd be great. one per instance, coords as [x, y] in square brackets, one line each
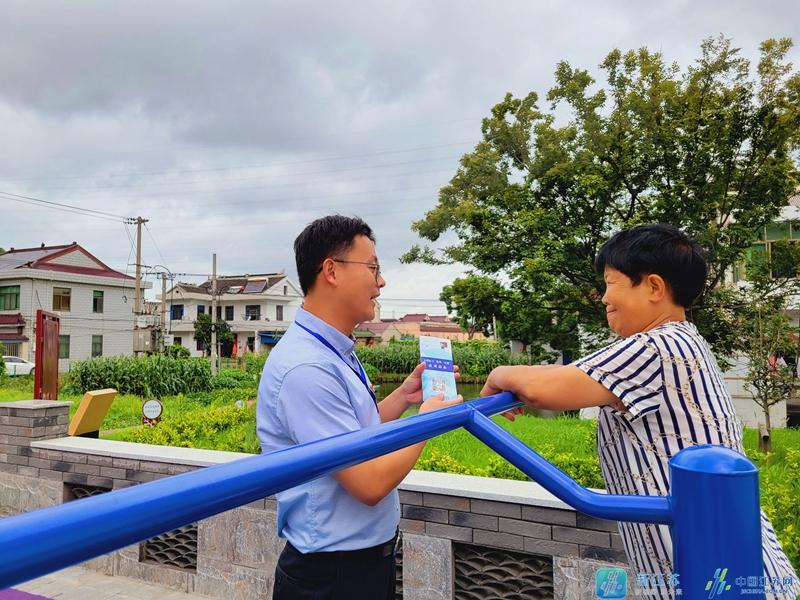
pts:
[716, 527]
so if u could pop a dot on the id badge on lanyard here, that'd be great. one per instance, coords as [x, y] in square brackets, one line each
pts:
[360, 373]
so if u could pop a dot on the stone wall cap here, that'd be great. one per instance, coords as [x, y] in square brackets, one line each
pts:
[40, 404]
[483, 488]
[447, 484]
[147, 452]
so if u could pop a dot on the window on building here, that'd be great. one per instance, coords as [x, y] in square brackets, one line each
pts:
[771, 246]
[229, 313]
[176, 312]
[200, 346]
[9, 297]
[279, 312]
[97, 345]
[219, 313]
[97, 301]
[285, 289]
[201, 309]
[251, 344]
[177, 340]
[61, 299]
[63, 346]
[252, 312]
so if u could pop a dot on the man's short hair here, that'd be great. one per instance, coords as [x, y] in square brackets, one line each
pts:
[327, 237]
[660, 250]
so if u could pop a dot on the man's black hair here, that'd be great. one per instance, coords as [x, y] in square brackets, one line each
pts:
[327, 237]
[660, 250]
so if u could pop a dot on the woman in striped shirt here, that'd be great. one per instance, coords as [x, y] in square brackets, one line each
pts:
[658, 387]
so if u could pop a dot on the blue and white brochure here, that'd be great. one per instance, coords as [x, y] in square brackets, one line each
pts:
[438, 376]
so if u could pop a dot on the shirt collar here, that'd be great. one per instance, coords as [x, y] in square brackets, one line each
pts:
[344, 344]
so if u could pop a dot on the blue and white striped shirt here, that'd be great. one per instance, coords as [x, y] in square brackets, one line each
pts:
[675, 396]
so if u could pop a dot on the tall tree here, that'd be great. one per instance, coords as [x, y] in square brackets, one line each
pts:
[709, 149]
[202, 332]
[475, 300]
[765, 335]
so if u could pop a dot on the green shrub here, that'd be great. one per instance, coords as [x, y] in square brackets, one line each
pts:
[3, 374]
[441, 462]
[233, 378]
[147, 376]
[475, 358]
[194, 430]
[177, 351]
[584, 469]
[780, 490]
[254, 362]
[223, 381]
[372, 371]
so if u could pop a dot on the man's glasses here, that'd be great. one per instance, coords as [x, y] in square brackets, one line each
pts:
[375, 267]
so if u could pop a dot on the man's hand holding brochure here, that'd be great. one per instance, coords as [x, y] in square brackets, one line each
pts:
[439, 376]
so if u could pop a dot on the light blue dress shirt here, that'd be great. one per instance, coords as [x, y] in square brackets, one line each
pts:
[308, 393]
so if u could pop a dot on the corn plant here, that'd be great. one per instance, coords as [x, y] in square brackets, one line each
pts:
[147, 376]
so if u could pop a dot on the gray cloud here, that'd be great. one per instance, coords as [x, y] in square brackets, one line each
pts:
[216, 120]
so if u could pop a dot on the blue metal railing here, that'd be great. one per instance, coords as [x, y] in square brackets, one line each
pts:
[712, 511]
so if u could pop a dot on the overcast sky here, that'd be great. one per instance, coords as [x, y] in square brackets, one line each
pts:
[231, 125]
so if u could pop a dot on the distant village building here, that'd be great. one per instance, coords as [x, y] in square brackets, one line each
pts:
[258, 309]
[411, 326]
[94, 302]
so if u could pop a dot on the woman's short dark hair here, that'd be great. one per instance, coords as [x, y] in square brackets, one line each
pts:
[324, 238]
[660, 250]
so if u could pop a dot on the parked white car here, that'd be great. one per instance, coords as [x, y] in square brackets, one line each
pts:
[18, 366]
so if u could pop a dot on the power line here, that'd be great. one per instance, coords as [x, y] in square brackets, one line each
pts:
[220, 190]
[244, 167]
[57, 206]
[254, 178]
[150, 233]
[61, 204]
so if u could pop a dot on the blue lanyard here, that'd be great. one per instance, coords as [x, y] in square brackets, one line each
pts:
[360, 373]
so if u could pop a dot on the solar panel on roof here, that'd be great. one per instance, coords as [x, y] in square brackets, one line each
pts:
[254, 287]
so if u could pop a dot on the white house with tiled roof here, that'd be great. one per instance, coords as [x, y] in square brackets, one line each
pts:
[94, 302]
[258, 309]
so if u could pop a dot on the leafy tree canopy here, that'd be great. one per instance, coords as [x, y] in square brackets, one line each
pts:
[202, 331]
[711, 149]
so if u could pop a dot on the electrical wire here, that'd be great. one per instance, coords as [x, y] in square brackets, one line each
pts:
[55, 206]
[244, 167]
[256, 178]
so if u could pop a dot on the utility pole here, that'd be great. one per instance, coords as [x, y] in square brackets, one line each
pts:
[137, 308]
[137, 303]
[214, 315]
[163, 309]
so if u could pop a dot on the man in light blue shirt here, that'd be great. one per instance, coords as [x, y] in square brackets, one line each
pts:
[340, 528]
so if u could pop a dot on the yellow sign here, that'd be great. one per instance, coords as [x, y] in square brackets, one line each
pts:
[91, 411]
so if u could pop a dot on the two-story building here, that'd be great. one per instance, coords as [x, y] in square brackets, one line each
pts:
[258, 309]
[93, 301]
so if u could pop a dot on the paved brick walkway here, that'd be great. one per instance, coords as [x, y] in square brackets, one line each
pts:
[77, 583]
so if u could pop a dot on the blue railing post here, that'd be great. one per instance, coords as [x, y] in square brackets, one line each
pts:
[716, 521]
